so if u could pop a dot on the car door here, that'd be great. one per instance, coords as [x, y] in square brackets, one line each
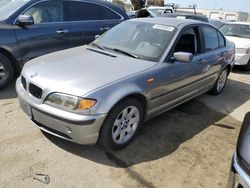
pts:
[88, 20]
[179, 81]
[49, 32]
[214, 54]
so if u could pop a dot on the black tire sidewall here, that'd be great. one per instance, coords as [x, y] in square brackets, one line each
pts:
[105, 137]
[216, 88]
[9, 73]
[215, 91]
[247, 66]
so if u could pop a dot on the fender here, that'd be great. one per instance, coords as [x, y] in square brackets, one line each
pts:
[108, 97]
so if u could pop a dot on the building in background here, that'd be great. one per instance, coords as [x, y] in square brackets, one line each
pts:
[225, 15]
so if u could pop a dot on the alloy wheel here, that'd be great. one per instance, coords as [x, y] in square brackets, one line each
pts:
[125, 124]
[222, 80]
[2, 71]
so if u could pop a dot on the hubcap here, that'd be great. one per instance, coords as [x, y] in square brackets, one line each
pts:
[125, 124]
[2, 71]
[222, 81]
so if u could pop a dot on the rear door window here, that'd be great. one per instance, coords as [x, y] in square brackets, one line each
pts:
[210, 38]
[84, 11]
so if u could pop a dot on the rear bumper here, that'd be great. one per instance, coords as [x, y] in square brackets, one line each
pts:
[242, 59]
[237, 176]
[76, 128]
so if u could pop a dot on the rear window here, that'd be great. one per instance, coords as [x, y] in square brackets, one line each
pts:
[221, 40]
[82, 11]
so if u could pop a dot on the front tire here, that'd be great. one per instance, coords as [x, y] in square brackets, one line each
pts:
[220, 83]
[6, 71]
[121, 124]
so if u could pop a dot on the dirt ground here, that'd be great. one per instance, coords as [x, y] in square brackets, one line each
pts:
[189, 146]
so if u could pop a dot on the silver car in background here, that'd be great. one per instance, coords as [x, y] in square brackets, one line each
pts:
[239, 33]
[104, 91]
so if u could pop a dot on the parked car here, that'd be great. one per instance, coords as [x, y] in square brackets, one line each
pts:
[138, 69]
[217, 22]
[187, 16]
[239, 176]
[158, 10]
[30, 28]
[239, 33]
[132, 14]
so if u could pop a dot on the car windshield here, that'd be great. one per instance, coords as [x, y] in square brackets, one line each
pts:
[216, 23]
[156, 11]
[137, 39]
[236, 30]
[4, 2]
[9, 7]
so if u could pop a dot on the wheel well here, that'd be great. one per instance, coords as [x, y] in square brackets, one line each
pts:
[140, 98]
[12, 59]
[229, 67]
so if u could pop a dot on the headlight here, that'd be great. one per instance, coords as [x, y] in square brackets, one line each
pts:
[243, 50]
[69, 102]
[248, 51]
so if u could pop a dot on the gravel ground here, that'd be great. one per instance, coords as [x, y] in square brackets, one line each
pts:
[189, 146]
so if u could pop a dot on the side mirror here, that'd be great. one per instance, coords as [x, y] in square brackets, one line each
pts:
[183, 57]
[24, 20]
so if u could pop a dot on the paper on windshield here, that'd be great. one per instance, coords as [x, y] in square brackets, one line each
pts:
[163, 27]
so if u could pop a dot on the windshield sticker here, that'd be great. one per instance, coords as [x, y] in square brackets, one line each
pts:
[163, 27]
[181, 17]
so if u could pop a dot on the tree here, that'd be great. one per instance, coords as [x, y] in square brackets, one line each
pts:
[138, 4]
[156, 2]
[120, 2]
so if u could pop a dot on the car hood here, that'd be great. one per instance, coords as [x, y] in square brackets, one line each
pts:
[239, 42]
[80, 70]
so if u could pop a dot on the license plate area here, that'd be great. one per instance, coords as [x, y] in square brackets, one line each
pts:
[26, 108]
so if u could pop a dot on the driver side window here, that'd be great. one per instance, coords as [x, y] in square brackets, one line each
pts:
[189, 41]
[46, 12]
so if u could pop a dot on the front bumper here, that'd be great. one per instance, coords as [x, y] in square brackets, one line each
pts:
[237, 176]
[76, 128]
[241, 59]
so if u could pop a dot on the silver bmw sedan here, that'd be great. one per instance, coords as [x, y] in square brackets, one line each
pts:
[104, 91]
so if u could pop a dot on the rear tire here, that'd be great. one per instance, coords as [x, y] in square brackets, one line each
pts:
[121, 124]
[247, 66]
[6, 71]
[220, 82]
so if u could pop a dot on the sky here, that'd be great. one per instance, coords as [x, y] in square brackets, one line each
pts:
[234, 5]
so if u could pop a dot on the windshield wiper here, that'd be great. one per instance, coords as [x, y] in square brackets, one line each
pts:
[97, 45]
[124, 52]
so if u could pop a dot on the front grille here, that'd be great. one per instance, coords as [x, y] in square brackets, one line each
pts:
[24, 83]
[35, 91]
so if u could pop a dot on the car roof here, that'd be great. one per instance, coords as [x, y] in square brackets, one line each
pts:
[240, 23]
[175, 22]
[186, 14]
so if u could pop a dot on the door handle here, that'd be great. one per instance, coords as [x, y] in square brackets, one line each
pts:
[62, 31]
[104, 28]
[202, 61]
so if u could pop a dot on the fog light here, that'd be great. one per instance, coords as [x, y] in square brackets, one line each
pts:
[68, 130]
